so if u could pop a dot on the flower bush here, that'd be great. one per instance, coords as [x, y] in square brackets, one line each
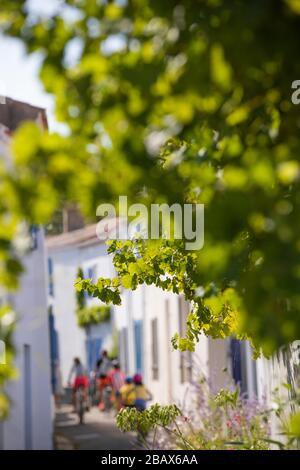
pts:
[225, 420]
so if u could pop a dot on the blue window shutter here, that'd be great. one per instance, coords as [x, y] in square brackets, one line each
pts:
[34, 236]
[89, 347]
[54, 348]
[236, 360]
[93, 352]
[97, 349]
[86, 276]
[91, 275]
[138, 345]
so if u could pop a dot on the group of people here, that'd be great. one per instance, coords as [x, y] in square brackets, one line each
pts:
[125, 391]
[134, 393]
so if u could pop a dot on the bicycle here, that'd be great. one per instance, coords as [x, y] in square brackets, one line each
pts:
[80, 403]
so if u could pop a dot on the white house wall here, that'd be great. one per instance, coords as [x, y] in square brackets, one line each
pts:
[30, 304]
[211, 357]
[72, 339]
[168, 388]
[147, 303]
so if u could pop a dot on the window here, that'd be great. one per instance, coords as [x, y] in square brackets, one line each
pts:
[34, 237]
[185, 357]
[243, 367]
[154, 331]
[236, 365]
[91, 273]
[123, 350]
[54, 347]
[50, 277]
[93, 349]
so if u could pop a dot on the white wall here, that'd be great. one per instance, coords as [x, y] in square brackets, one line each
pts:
[72, 339]
[30, 304]
[210, 358]
[146, 304]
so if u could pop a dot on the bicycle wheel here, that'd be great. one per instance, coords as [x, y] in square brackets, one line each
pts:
[80, 409]
[81, 413]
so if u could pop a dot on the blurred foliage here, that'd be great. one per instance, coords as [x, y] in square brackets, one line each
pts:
[285, 407]
[130, 419]
[294, 429]
[7, 370]
[93, 315]
[113, 352]
[178, 101]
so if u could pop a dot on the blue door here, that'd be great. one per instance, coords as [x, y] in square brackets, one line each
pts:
[93, 351]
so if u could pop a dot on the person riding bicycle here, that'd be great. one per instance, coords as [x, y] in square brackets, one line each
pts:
[127, 393]
[117, 379]
[80, 379]
[142, 394]
[102, 369]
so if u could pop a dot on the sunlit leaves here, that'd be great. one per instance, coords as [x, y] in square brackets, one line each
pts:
[176, 102]
[221, 72]
[7, 370]
[130, 419]
[93, 315]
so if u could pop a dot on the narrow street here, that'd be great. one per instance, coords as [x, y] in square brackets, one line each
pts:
[99, 432]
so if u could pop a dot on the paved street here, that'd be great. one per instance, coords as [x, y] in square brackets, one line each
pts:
[98, 433]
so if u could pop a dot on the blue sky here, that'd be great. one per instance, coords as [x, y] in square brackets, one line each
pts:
[19, 77]
[19, 72]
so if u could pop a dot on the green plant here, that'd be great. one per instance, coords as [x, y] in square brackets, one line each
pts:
[130, 419]
[206, 421]
[146, 120]
[93, 315]
[294, 427]
[88, 315]
[285, 406]
[223, 420]
[7, 369]
[176, 113]
[80, 300]
[113, 353]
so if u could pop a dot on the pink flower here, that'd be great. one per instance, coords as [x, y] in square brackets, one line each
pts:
[238, 419]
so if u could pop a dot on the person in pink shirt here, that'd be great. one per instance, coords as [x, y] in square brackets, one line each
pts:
[117, 380]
